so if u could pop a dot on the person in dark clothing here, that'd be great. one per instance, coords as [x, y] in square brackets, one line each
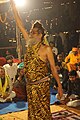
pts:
[72, 98]
[65, 80]
[73, 84]
[19, 86]
[58, 43]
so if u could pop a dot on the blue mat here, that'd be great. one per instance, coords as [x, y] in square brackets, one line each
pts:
[18, 106]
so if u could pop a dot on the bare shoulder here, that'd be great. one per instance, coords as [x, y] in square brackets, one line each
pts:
[47, 47]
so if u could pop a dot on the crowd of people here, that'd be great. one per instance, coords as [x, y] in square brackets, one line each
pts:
[68, 68]
[13, 78]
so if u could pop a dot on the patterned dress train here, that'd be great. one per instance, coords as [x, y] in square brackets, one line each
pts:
[38, 94]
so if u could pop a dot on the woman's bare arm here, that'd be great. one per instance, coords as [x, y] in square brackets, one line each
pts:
[19, 21]
[53, 69]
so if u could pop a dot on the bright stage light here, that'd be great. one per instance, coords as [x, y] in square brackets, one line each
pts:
[20, 2]
[17, 2]
[4, 1]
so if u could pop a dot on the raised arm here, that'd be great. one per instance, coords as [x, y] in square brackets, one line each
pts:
[19, 21]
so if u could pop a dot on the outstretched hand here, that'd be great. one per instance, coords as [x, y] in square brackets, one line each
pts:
[60, 91]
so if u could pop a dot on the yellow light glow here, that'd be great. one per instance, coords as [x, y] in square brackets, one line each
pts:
[4, 1]
[20, 2]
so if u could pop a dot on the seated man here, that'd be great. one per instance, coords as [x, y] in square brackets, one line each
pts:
[6, 92]
[19, 86]
[10, 68]
[72, 98]
[72, 59]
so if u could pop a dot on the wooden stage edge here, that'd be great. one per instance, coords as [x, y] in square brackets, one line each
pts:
[22, 115]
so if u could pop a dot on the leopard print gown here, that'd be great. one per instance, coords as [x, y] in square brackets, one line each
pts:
[38, 94]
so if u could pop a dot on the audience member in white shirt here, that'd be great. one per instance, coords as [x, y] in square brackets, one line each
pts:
[54, 49]
[6, 93]
[10, 68]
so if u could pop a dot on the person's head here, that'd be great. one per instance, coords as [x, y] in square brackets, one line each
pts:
[57, 68]
[20, 72]
[9, 59]
[2, 72]
[37, 30]
[59, 57]
[7, 52]
[22, 58]
[75, 50]
[72, 75]
[51, 44]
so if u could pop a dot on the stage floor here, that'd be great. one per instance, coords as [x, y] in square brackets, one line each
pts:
[22, 115]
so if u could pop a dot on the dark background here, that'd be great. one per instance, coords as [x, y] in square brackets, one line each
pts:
[56, 16]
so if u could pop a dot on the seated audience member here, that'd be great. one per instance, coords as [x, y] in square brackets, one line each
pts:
[72, 98]
[10, 68]
[55, 52]
[60, 68]
[65, 80]
[2, 61]
[8, 53]
[21, 64]
[60, 58]
[19, 86]
[72, 59]
[60, 62]
[6, 92]
[60, 71]
[63, 71]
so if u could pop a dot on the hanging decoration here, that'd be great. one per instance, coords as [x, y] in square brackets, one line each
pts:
[1, 19]
[4, 14]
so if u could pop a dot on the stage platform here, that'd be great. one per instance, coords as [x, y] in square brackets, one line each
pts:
[22, 115]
